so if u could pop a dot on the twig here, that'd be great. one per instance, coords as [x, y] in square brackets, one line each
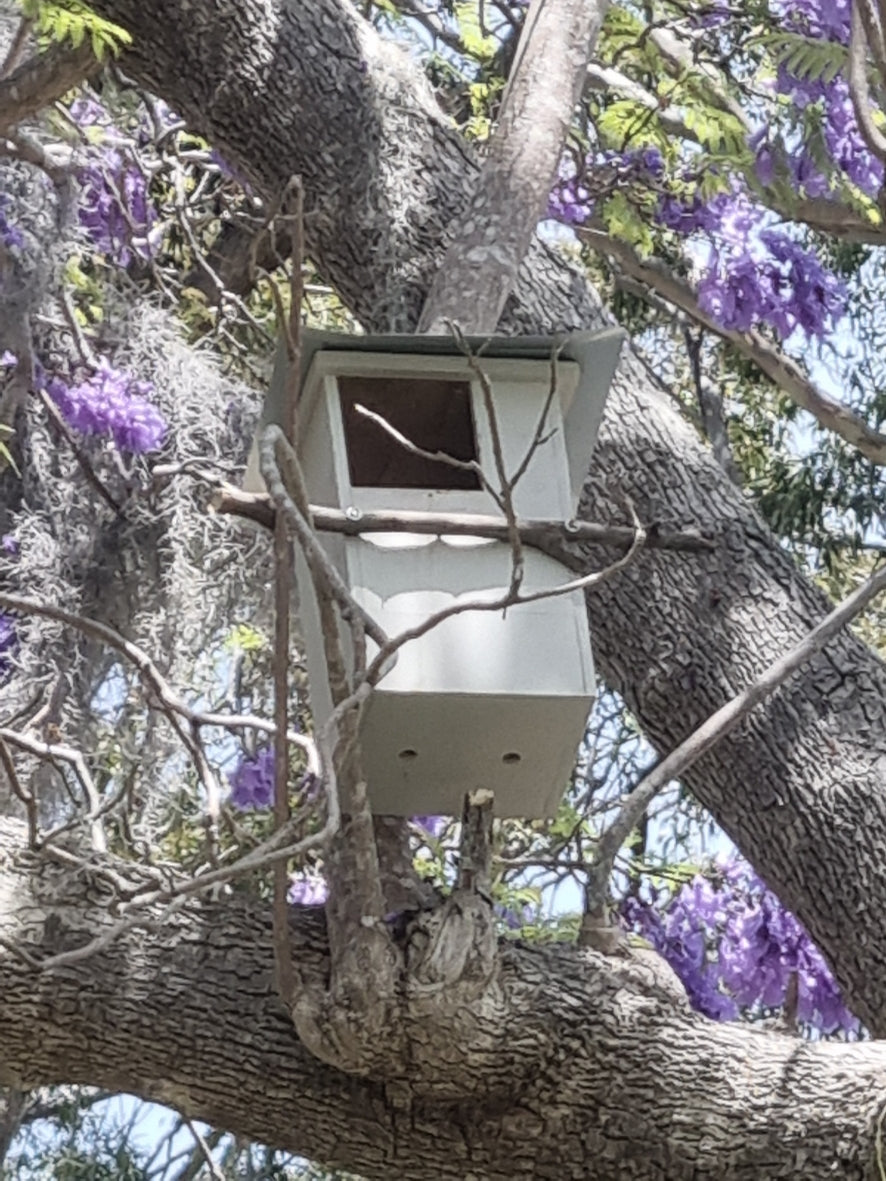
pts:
[505, 496]
[538, 533]
[717, 726]
[26, 797]
[380, 663]
[53, 751]
[331, 582]
[284, 586]
[79, 454]
[205, 1151]
[184, 720]
[462, 465]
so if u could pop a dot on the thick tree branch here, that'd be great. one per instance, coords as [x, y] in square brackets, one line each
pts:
[189, 1017]
[675, 765]
[490, 240]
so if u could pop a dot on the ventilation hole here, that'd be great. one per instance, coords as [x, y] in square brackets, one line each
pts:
[511, 757]
[408, 754]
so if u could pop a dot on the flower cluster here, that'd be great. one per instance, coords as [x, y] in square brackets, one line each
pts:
[841, 137]
[572, 201]
[434, 826]
[252, 784]
[825, 20]
[737, 949]
[755, 275]
[115, 211]
[112, 402]
[785, 287]
[307, 889]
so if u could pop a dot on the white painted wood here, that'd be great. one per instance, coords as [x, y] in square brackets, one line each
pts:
[487, 698]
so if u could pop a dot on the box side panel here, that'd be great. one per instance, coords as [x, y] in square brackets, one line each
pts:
[524, 427]
[530, 648]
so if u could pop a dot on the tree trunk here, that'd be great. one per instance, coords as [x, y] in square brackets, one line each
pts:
[618, 1077]
[309, 88]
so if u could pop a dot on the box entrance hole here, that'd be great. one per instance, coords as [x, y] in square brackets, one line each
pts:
[434, 414]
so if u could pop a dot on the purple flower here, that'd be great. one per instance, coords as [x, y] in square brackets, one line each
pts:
[111, 402]
[9, 545]
[252, 784]
[7, 359]
[515, 917]
[8, 642]
[114, 208]
[824, 20]
[434, 826]
[307, 890]
[735, 947]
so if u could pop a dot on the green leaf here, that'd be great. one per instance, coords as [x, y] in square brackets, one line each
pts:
[73, 21]
[805, 57]
[624, 221]
[479, 44]
[246, 638]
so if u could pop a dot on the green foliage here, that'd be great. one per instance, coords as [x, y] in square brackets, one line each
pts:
[478, 41]
[6, 458]
[624, 221]
[805, 57]
[75, 22]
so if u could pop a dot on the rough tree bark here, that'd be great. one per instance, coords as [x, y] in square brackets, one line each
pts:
[488, 242]
[595, 1067]
[576, 1065]
[311, 89]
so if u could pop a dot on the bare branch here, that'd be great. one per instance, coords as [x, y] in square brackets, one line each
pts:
[26, 797]
[776, 365]
[515, 181]
[43, 79]
[57, 752]
[534, 532]
[284, 588]
[711, 731]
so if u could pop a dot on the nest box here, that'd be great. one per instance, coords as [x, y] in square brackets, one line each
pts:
[494, 699]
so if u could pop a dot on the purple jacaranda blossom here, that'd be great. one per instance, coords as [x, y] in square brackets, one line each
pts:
[114, 207]
[434, 826]
[111, 402]
[571, 202]
[307, 890]
[252, 783]
[515, 917]
[823, 20]
[737, 949]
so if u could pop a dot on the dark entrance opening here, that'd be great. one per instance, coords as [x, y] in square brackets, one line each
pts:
[434, 414]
